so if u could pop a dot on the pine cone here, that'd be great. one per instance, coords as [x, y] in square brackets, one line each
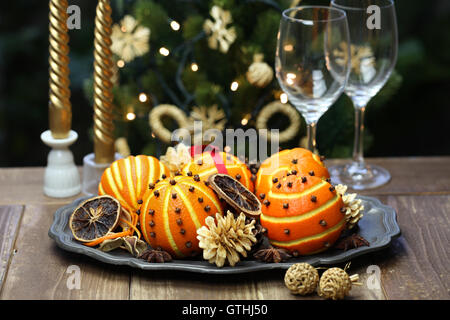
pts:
[176, 158]
[352, 206]
[226, 238]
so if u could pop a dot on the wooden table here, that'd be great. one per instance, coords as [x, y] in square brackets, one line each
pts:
[415, 266]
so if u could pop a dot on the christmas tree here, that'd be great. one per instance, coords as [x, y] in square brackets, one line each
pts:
[180, 61]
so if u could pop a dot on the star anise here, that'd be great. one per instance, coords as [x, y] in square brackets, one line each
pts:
[272, 254]
[156, 255]
[352, 241]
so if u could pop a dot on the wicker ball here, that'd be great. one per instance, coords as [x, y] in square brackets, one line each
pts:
[301, 278]
[334, 284]
[259, 74]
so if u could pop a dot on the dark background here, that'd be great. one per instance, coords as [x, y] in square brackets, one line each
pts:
[414, 122]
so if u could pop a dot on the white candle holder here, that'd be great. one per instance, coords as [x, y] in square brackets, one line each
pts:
[61, 178]
[92, 173]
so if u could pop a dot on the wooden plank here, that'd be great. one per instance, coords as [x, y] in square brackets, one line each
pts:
[41, 270]
[265, 285]
[410, 175]
[416, 265]
[191, 286]
[25, 186]
[9, 225]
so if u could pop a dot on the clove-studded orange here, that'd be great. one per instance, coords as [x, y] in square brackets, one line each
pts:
[204, 165]
[172, 212]
[303, 214]
[291, 161]
[128, 179]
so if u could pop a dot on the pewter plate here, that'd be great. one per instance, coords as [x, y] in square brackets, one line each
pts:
[378, 226]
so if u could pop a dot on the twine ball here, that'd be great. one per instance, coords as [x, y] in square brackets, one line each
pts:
[334, 284]
[259, 74]
[301, 278]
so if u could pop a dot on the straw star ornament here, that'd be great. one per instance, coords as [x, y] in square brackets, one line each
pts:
[129, 39]
[219, 36]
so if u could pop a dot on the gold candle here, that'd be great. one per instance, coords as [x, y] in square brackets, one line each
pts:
[103, 96]
[60, 109]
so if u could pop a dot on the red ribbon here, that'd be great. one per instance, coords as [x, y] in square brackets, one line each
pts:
[215, 154]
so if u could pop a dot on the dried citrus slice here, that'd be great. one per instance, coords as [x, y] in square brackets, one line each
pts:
[94, 218]
[235, 194]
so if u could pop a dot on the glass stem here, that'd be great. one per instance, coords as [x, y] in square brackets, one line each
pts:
[311, 136]
[358, 146]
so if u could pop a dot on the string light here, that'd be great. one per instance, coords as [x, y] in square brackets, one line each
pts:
[142, 97]
[290, 78]
[227, 149]
[131, 116]
[244, 120]
[283, 98]
[164, 51]
[123, 29]
[120, 63]
[194, 67]
[234, 86]
[288, 47]
[174, 25]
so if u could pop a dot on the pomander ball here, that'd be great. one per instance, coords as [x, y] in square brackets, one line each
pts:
[335, 284]
[301, 278]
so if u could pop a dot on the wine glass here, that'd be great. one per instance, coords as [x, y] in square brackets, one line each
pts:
[307, 67]
[373, 49]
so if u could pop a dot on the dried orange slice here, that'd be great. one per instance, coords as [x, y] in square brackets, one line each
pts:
[95, 218]
[235, 194]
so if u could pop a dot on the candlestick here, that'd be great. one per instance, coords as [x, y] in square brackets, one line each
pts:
[60, 113]
[103, 96]
[61, 178]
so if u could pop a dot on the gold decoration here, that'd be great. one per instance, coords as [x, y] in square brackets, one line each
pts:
[301, 278]
[295, 3]
[352, 206]
[122, 147]
[226, 238]
[167, 110]
[60, 108]
[103, 96]
[176, 158]
[211, 117]
[219, 36]
[335, 283]
[290, 112]
[259, 73]
[129, 40]
[361, 57]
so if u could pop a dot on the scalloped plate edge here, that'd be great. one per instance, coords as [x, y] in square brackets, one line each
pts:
[56, 232]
